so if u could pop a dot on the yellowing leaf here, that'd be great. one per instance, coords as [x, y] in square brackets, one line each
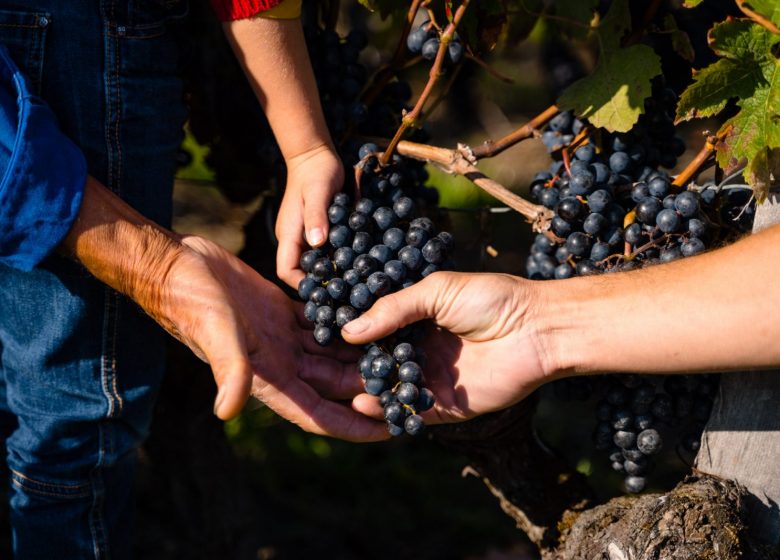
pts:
[613, 96]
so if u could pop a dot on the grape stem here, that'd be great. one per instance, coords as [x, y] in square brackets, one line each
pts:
[695, 165]
[410, 118]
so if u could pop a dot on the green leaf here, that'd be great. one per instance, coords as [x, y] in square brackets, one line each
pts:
[770, 9]
[613, 96]
[741, 39]
[764, 167]
[754, 132]
[692, 3]
[714, 86]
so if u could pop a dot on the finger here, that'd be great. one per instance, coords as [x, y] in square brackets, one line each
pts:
[229, 360]
[316, 200]
[301, 404]
[288, 258]
[338, 349]
[331, 379]
[368, 405]
[393, 312]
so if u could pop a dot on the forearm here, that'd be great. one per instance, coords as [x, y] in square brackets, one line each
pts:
[273, 54]
[119, 246]
[713, 312]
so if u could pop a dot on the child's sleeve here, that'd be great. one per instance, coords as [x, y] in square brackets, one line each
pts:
[230, 10]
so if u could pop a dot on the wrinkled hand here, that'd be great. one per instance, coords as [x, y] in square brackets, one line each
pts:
[313, 178]
[248, 331]
[487, 359]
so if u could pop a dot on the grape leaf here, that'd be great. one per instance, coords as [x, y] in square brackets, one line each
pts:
[754, 132]
[762, 168]
[692, 3]
[715, 85]
[769, 9]
[612, 97]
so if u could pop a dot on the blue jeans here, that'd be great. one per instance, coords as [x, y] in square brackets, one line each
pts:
[80, 365]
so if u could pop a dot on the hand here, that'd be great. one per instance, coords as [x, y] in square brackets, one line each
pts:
[247, 330]
[490, 358]
[313, 178]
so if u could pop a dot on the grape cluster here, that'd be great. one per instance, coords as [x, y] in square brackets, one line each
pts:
[376, 246]
[425, 40]
[615, 209]
[636, 411]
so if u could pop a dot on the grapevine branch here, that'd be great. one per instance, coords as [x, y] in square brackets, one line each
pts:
[454, 161]
[490, 148]
[710, 145]
[411, 118]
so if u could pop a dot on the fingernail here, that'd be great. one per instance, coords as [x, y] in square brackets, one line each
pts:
[218, 401]
[357, 326]
[315, 236]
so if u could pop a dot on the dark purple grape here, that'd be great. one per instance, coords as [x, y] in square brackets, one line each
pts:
[649, 442]
[358, 222]
[338, 215]
[411, 257]
[362, 242]
[308, 258]
[338, 289]
[325, 316]
[410, 372]
[430, 48]
[310, 311]
[417, 237]
[323, 335]
[648, 209]
[407, 393]
[360, 297]
[668, 221]
[345, 314]
[578, 243]
[306, 286]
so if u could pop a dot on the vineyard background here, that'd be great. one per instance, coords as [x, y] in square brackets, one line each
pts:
[258, 487]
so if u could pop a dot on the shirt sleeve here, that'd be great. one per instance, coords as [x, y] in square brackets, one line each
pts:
[230, 10]
[43, 173]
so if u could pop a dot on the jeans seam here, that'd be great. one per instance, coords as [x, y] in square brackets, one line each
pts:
[96, 521]
[29, 484]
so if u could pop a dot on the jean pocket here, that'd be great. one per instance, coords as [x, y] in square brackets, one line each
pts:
[24, 35]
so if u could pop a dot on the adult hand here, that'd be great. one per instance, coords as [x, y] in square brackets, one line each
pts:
[491, 357]
[249, 332]
[313, 178]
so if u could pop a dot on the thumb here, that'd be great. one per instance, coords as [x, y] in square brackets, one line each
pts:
[233, 373]
[315, 213]
[391, 313]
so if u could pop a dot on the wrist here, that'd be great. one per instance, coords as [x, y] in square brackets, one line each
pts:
[120, 247]
[565, 319]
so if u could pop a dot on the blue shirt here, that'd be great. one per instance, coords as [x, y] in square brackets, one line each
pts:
[43, 173]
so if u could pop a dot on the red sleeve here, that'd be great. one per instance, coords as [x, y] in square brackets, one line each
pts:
[230, 10]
